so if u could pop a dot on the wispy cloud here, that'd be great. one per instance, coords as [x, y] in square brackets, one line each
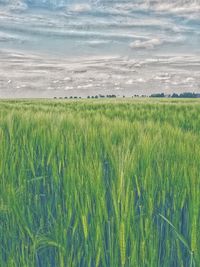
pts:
[80, 8]
[149, 44]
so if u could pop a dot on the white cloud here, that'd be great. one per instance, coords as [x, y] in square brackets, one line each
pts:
[80, 8]
[18, 6]
[147, 44]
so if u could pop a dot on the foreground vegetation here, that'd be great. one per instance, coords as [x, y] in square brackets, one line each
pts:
[100, 183]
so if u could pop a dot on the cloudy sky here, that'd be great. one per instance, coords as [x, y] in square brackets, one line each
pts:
[80, 47]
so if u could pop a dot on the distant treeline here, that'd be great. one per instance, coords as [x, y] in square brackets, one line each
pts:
[98, 96]
[93, 96]
[182, 95]
[174, 95]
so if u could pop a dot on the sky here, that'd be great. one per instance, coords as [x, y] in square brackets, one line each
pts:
[61, 48]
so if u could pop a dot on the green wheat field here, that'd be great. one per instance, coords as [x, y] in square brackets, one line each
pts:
[91, 183]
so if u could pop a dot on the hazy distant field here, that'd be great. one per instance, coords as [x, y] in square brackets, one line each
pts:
[108, 183]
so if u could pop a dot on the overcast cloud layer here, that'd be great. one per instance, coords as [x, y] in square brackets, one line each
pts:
[159, 39]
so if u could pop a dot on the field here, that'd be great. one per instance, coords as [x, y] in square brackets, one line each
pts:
[91, 183]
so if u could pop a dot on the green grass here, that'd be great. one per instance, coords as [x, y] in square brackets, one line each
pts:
[100, 183]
